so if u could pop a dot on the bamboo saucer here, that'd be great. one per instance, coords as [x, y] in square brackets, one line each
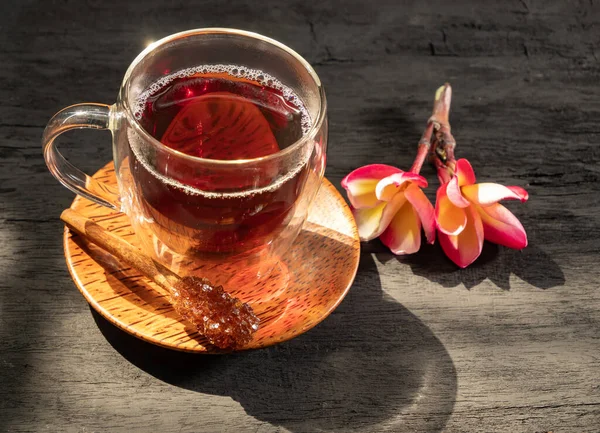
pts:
[313, 278]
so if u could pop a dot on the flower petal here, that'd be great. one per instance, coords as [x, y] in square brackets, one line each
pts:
[371, 222]
[371, 171]
[450, 219]
[466, 247]
[502, 227]
[403, 235]
[424, 210]
[367, 221]
[361, 183]
[487, 194]
[361, 193]
[464, 172]
[455, 194]
[387, 187]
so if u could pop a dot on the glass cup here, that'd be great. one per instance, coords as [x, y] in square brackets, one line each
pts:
[213, 227]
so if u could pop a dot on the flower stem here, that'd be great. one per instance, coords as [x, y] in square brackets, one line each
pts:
[444, 173]
[442, 144]
[423, 149]
[437, 140]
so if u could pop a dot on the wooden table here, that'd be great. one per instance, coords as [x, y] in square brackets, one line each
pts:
[510, 344]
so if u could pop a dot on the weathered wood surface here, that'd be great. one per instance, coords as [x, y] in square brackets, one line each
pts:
[511, 344]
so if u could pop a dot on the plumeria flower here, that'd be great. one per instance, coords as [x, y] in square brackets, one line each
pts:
[466, 213]
[388, 203]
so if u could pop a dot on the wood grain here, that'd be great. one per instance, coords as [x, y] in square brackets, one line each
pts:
[119, 248]
[508, 345]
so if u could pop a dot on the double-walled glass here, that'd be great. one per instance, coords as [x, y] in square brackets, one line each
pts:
[239, 216]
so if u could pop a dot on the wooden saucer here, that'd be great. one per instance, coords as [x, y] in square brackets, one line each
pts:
[319, 269]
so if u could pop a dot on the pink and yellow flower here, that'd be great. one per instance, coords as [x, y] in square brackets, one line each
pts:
[388, 203]
[466, 213]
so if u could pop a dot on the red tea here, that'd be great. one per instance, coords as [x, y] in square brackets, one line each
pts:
[227, 115]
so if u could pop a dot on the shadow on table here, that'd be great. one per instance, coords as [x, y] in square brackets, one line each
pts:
[496, 263]
[370, 363]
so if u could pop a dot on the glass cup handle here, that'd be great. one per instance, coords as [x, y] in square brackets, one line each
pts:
[93, 116]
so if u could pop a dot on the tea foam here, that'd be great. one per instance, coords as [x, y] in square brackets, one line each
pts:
[243, 72]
